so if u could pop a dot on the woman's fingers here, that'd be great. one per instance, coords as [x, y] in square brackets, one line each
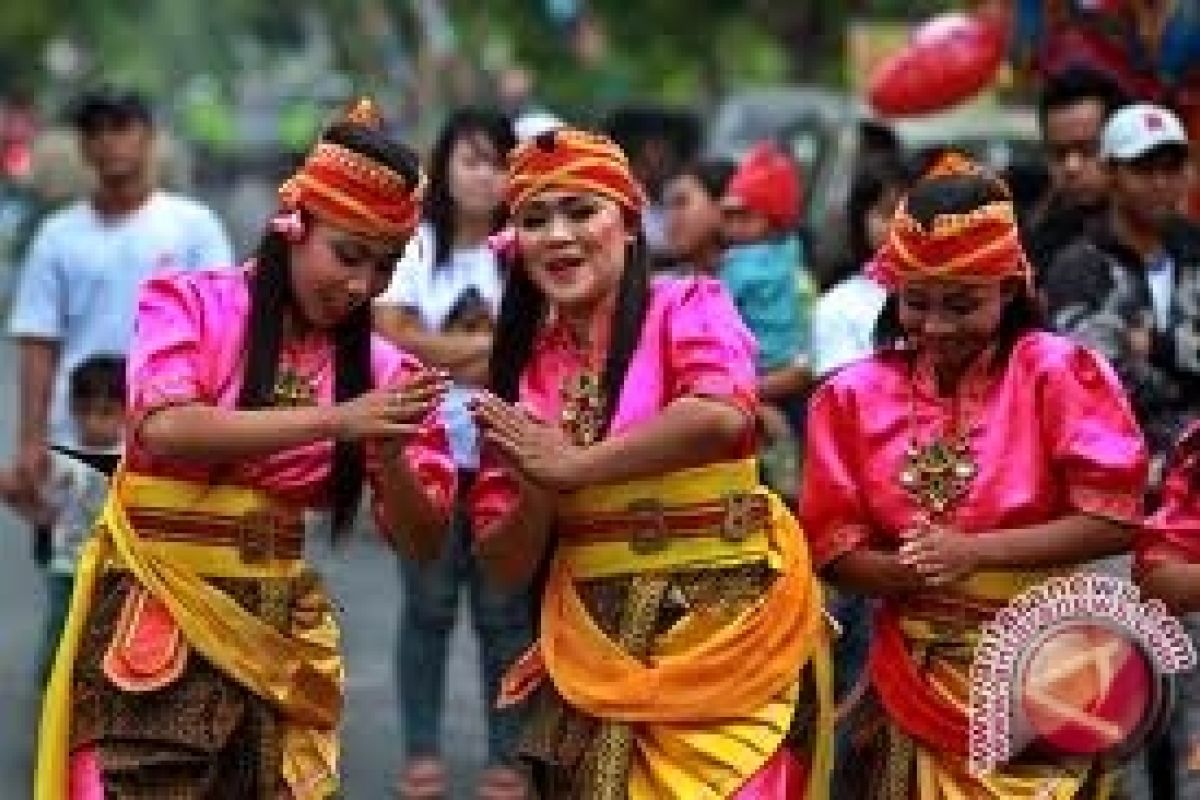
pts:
[507, 445]
[498, 415]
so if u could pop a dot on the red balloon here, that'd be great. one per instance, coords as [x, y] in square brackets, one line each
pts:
[948, 60]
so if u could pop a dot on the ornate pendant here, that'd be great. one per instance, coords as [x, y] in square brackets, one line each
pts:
[937, 474]
[293, 389]
[582, 408]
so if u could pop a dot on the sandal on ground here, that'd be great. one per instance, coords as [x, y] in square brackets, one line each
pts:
[423, 778]
[500, 782]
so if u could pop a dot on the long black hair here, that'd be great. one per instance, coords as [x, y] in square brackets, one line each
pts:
[271, 297]
[961, 194]
[440, 208]
[873, 179]
[523, 309]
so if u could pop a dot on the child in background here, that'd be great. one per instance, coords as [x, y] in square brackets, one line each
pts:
[763, 269]
[76, 485]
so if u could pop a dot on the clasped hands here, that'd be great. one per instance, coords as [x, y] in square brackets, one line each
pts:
[939, 554]
[539, 452]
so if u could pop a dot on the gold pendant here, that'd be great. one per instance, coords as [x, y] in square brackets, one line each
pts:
[293, 390]
[937, 474]
[582, 408]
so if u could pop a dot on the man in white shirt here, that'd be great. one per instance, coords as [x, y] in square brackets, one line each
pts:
[78, 288]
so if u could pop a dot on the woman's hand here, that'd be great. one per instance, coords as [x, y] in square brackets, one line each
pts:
[392, 413]
[540, 452]
[940, 555]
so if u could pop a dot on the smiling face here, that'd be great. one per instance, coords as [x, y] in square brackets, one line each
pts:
[573, 246]
[952, 322]
[334, 272]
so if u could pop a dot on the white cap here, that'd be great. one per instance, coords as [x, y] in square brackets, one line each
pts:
[1134, 130]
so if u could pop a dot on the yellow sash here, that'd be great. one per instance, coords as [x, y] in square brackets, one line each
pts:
[717, 696]
[300, 674]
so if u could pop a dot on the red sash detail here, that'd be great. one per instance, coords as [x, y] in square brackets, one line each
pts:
[147, 651]
[911, 703]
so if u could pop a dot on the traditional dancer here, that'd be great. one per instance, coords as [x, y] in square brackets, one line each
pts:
[1168, 547]
[971, 457]
[681, 633]
[200, 657]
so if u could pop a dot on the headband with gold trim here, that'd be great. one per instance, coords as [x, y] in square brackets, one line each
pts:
[980, 246]
[572, 159]
[353, 191]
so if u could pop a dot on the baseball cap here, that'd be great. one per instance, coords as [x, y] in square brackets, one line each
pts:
[767, 182]
[1134, 130]
[108, 105]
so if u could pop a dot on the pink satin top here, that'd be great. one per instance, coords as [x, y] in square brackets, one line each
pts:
[693, 343]
[1172, 533]
[1050, 430]
[189, 347]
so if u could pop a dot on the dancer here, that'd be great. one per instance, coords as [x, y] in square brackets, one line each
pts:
[1168, 546]
[200, 657]
[971, 457]
[681, 636]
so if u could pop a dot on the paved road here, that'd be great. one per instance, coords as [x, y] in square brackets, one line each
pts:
[363, 578]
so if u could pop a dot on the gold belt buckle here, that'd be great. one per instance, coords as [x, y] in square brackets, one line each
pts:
[650, 530]
[257, 532]
[739, 516]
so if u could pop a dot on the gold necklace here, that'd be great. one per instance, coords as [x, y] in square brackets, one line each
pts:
[582, 413]
[938, 473]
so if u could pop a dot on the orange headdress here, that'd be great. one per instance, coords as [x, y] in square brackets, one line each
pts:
[353, 191]
[568, 158]
[980, 246]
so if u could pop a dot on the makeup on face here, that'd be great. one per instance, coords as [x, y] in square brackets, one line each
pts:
[573, 245]
[335, 272]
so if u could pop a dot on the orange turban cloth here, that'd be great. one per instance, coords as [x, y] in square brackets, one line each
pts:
[351, 190]
[574, 160]
[981, 246]
[767, 182]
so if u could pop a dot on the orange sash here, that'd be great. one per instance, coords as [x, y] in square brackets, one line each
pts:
[739, 668]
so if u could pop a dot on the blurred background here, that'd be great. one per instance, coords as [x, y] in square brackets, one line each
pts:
[241, 86]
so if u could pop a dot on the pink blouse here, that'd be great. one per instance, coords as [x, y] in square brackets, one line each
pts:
[693, 343]
[1051, 433]
[189, 347]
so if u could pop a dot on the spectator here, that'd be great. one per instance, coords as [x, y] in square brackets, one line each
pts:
[693, 215]
[77, 290]
[440, 306]
[764, 271]
[76, 484]
[1132, 289]
[1072, 109]
[844, 317]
